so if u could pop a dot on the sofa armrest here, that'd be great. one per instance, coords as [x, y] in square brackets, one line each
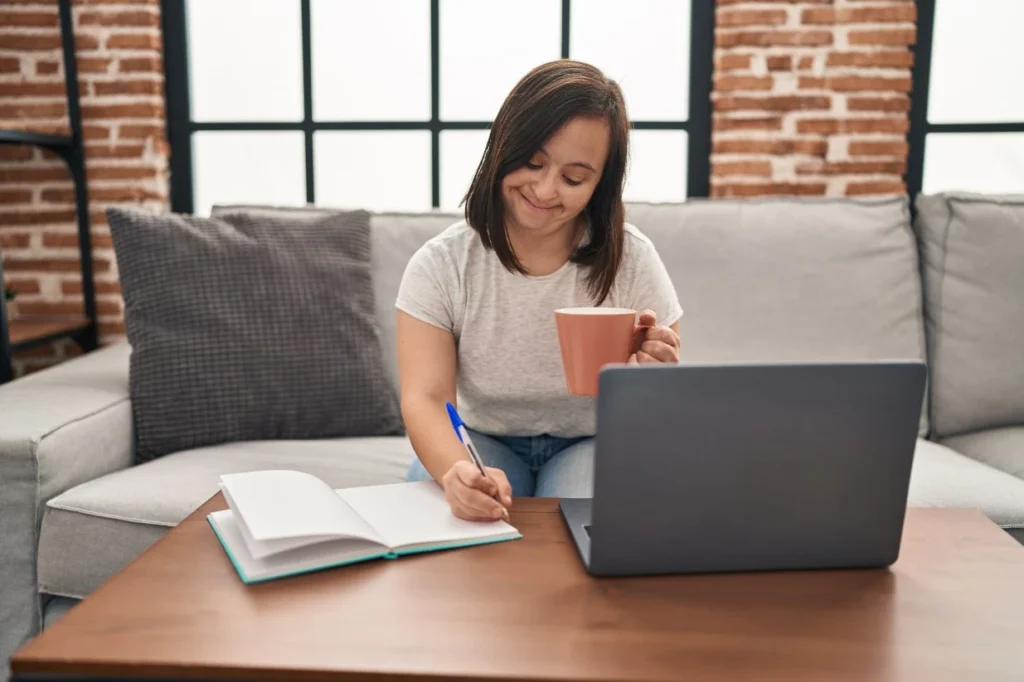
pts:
[59, 427]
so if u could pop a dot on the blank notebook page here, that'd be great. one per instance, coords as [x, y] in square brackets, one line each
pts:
[417, 514]
[290, 504]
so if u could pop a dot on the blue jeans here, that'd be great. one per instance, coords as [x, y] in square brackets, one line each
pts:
[536, 466]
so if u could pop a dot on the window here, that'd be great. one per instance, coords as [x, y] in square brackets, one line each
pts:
[386, 105]
[967, 115]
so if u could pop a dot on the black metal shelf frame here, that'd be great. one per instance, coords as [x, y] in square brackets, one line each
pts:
[71, 150]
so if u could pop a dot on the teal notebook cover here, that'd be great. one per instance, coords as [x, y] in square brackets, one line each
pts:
[249, 580]
[402, 519]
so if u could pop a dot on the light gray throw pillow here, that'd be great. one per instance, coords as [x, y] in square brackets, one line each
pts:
[248, 327]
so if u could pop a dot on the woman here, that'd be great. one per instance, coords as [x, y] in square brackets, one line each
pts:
[544, 229]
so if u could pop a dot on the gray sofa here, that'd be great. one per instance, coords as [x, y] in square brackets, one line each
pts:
[774, 279]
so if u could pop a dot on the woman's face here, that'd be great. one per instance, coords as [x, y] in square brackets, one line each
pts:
[556, 184]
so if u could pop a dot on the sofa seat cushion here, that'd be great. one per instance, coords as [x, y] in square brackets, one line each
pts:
[942, 477]
[999, 448]
[54, 609]
[92, 530]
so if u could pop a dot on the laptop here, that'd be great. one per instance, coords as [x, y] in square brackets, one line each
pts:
[705, 468]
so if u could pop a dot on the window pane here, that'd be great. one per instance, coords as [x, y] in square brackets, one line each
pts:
[256, 167]
[976, 58]
[654, 78]
[371, 60]
[486, 47]
[378, 171]
[974, 162]
[657, 166]
[245, 60]
[461, 151]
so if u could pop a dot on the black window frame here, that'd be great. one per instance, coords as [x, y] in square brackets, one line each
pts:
[180, 125]
[920, 127]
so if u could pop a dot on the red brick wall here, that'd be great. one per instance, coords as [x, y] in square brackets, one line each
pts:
[811, 97]
[121, 92]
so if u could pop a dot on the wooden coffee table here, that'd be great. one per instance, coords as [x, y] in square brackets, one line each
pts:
[951, 608]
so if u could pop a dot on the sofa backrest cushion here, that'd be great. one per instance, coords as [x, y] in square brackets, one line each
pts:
[759, 280]
[396, 237]
[766, 280]
[972, 253]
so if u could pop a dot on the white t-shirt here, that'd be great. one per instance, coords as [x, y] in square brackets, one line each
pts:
[509, 375]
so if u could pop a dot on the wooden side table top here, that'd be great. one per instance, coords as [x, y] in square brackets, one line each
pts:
[951, 608]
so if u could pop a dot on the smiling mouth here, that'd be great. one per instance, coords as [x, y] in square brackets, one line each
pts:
[535, 206]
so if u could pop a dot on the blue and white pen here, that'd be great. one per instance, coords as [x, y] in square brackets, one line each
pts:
[460, 431]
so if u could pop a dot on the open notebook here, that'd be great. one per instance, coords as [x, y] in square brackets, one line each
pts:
[282, 523]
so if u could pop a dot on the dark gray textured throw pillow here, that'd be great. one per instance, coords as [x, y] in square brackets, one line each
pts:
[248, 327]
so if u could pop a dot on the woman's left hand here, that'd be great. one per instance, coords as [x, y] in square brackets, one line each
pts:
[653, 343]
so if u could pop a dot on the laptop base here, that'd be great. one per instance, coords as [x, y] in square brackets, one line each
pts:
[576, 512]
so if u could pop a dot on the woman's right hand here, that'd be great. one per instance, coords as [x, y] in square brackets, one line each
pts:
[472, 496]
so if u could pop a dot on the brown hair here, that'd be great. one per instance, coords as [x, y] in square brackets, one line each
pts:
[542, 102]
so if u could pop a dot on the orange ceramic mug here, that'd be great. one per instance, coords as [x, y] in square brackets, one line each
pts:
[591, 338]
